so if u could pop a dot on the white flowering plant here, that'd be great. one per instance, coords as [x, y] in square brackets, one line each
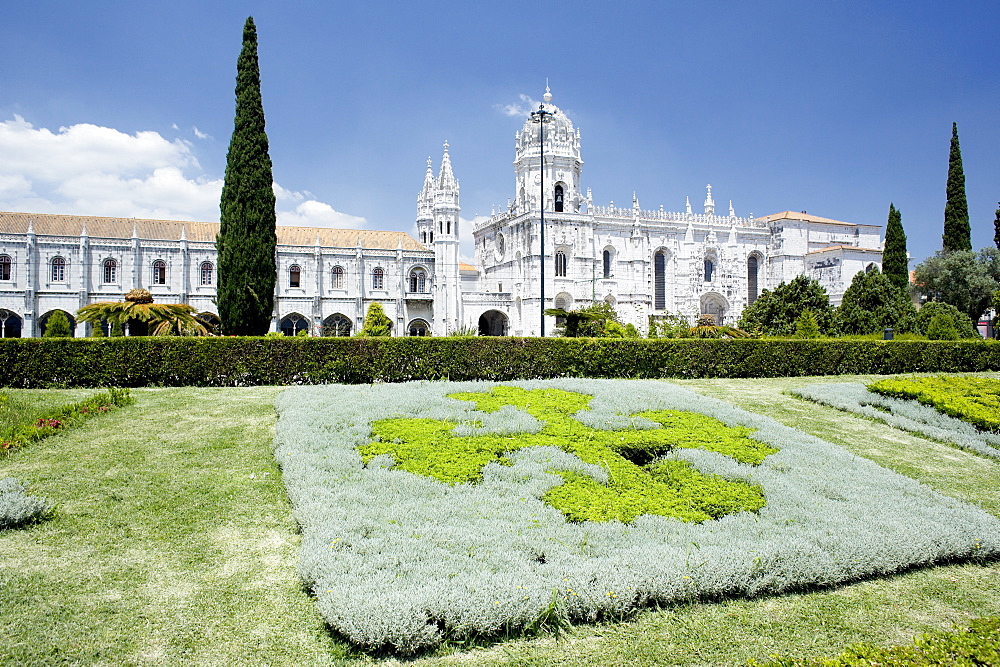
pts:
[905, 414]
[402, 557]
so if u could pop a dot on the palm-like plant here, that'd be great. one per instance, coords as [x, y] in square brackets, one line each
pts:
[163, 319]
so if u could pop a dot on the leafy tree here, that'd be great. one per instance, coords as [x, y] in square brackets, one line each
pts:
[873, 303]
[962, 278]
[247, 240]
[163, 319]
[957, 233]
[668, 325]
[894, 261]
[941, 328]
[807, 326]
[98, 330]
[775, 312]
[959, 321]
[377, 323]
[57, 326]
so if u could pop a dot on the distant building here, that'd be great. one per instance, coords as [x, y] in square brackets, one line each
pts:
[645, 263]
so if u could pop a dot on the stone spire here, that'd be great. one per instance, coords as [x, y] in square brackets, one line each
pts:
[709, 202]
[687, 206]
[446, 178]
[732, 212]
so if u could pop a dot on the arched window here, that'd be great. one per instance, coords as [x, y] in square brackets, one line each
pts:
[5, 267]
[378, 278]
[418, 280]
[337, 325]
[418, 328]
[292, 324]
[559, 196]
[751, 279]
[338, 277]
[110, 271]
[207, 269]
[561, 264]
[58, 270]
[294, 275]
[709, 270]
[607, 264]
[159, 272]
[871, 267]
[660, 281]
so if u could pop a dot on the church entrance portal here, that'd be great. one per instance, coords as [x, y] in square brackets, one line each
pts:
[492, 323]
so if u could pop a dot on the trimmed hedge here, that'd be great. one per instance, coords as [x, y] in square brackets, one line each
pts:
[237, 361]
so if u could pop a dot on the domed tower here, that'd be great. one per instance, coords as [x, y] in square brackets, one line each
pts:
[562, 163]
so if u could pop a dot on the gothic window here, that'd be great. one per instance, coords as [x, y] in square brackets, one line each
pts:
[423, 237]
[378, 278]
[292, 324]
[560, 264]
[338, 277]
[418, 280]
[709, 270]
[207, 269]
[294, 275]
[559, 195]
[337, 325]
[751, 280]
[5, 266]
[110, 271]
[159, 272]
[449, 227]
[660, 280]
[418, 328]
[58, 270]
[607, 264]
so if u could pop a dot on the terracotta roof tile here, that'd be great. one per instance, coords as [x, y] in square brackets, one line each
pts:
[792, 215]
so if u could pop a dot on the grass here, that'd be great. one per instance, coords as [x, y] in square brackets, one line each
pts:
[23, 405]
[173, 542]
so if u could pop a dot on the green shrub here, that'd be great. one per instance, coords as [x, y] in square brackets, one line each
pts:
[872, 303]
[979, 644]
[963, 326]
[941, 327]
[807, 326]
[57, 326]
[377, 323]
[141, 361]
[775, 312]
[668, 325]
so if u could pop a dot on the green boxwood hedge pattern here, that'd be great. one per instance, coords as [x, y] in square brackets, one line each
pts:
[402, 561]
[231, 361]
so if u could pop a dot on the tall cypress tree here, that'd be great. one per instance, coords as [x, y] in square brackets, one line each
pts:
[247, 240]
[894, 263]
[957, 233]
[996, 227]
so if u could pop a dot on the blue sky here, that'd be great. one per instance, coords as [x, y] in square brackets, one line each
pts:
[837, 108]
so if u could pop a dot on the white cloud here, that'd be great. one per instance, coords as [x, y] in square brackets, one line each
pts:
[91, 170]
[522, 109]
[312, 213]
[201, 135]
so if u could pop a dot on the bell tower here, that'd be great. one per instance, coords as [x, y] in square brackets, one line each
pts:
[444, 232]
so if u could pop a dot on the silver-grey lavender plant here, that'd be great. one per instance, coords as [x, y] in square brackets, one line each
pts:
[400, 561]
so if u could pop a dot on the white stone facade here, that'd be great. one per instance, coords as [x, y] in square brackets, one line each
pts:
[643, 262]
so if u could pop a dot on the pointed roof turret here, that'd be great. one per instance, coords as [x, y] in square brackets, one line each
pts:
[446, 178]
[709, 202]
[687, 205]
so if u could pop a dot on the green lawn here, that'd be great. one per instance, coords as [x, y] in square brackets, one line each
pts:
[173, 542]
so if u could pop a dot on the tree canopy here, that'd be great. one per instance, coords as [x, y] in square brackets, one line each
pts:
[775, 312]
[962, 278]
[873, 303]
[894, 261]
[246, 242]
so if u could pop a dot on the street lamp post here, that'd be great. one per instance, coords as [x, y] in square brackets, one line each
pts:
[542, 117]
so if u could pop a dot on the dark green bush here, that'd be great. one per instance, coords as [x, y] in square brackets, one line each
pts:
[140, 361]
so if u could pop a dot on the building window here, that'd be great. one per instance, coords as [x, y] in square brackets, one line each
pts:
[207, 268]
[337, 325]
[110, 271]
[418, 328]
[560, 264]
[338, 277]
[418, 281]
[159, 272]
[294, 275]
[559, 196]
[58, 270]
[751, 280]
[709, 270]
[5, 267]
[378, 278]
[660, 280]
[607, 264]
